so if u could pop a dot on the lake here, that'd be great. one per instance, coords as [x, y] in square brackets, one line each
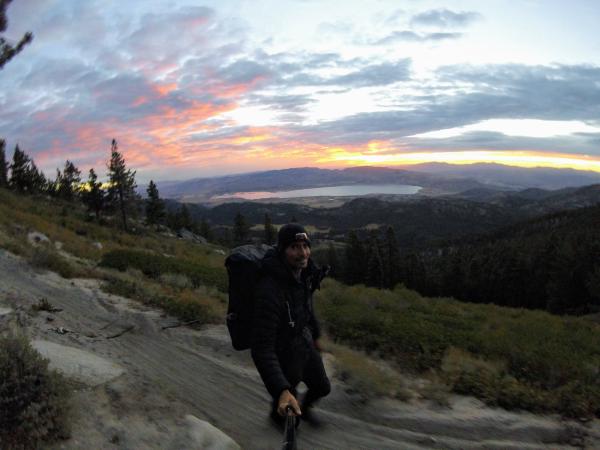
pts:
[329, 191]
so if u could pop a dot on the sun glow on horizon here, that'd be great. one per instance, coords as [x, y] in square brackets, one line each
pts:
[528, 159]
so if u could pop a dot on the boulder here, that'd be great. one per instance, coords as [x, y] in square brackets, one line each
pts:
[189, 236]
[80, 365]
[203, 435]
[35, 238]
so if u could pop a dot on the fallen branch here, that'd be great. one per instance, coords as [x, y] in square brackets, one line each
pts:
[121, 333]
[180, 324]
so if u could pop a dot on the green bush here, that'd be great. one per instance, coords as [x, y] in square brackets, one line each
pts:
[514, 358]
[185, 308]
[154, 266]
[47, 258]
[33, 399]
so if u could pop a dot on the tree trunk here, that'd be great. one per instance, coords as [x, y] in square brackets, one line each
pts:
[122, 203]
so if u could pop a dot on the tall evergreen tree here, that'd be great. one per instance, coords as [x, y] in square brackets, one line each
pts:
[240, 229]
[37, 180]
[391, 259]
[185, 219]
[68, 181]
[375, 272]
[155, 206]
[121, 190]
[3, 165]
[205, 230]
[20, 171]
[8, 51]
[354, 264]
[93, 195]
[270, 231]
[333, 261]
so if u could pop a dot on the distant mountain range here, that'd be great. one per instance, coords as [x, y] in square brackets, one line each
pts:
[512, 177]
[201, 190]
[434, 178]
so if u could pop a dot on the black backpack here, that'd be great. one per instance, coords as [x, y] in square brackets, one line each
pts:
[244, 268]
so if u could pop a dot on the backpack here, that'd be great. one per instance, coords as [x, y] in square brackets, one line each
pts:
[244, 269]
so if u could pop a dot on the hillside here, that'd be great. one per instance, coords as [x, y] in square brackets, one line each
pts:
[511, 176]
[148, 380]
[418, 221]
[549, 262]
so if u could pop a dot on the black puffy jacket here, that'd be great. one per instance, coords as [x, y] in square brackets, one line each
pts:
[283, 309]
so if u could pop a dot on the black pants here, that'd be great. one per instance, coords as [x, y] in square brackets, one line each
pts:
[306, 366]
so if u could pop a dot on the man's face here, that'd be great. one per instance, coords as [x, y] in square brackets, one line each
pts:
[297, 254]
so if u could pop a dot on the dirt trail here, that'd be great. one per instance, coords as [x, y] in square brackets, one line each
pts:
[171, 373]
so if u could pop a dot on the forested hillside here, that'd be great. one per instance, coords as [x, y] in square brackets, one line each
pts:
[550, 263]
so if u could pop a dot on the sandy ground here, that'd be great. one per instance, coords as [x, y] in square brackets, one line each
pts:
[148, 387]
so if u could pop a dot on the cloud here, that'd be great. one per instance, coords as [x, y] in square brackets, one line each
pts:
[411, 36]
[444, 18]
[288, 103]
[471, 95]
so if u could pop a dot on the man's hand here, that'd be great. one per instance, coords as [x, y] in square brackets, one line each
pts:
[287, 399]
[318, 346]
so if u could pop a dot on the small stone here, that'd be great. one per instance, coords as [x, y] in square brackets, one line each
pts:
[35, 238]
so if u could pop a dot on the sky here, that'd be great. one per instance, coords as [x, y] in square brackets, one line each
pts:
[196, 89]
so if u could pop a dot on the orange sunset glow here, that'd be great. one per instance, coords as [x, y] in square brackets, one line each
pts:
[514, 158]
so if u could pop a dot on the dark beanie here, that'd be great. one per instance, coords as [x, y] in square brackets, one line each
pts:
[290, 233]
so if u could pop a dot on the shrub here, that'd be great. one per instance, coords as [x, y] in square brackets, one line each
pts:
[176, 280]
[33, 399]
[153, 266]
[46, 258]
[509, 357]
[365, 376]
[180, 304]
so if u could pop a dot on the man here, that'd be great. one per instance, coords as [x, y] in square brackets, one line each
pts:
[285, 345]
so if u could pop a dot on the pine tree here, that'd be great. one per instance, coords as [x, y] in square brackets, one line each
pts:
[94, 196]
[20, 171]
[121, 190]
[240, 229]
[354, 269]
[270, 231]
[375, 273]
[205, 230]
[7, 51]
[333, 261]
[3, 165]
[391, 259]
[68, 182]
[155, 207]
[37, 180]
[185, 219]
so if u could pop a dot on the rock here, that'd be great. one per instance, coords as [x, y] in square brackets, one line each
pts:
[58, 245]
[220, 252]
[83, 366]
[98, 245]
[189, 236]
[35, 238]
[203, 435]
